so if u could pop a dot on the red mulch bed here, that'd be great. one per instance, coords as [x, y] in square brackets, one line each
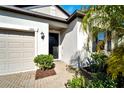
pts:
[42, 74]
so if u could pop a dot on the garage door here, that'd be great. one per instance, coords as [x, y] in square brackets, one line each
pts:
[16, 51]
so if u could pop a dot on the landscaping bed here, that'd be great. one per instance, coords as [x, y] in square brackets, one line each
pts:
[96, 75]
[46, 66]
[42, 74]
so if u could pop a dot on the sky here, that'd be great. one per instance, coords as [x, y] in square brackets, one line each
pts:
[101, 36]
[71, 8]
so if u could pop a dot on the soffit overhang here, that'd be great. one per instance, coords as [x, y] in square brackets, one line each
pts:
[42, 15]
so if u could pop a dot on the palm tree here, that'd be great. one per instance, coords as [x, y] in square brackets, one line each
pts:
[105, 18]
[108, 18]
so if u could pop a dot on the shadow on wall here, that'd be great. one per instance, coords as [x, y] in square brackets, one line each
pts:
[81, 58]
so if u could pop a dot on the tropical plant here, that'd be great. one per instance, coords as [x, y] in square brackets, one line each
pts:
[115, 62]
[107, 83]
[109, 18]
[77, 82]
[99, 81]
[99, 62]
[44, 61]
[120, 81]
[104, 18]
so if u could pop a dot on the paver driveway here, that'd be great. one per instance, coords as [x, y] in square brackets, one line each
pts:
[27, 79]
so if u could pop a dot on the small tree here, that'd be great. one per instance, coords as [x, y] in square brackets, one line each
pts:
[116, 62]
[105, 18]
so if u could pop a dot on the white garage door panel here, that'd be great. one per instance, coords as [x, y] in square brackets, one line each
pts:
[3, 55]
[2, 44]
[16, 51]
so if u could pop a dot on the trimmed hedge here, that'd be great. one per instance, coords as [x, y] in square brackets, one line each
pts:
[44, 62]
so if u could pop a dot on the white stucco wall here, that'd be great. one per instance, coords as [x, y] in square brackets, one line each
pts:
[84, 44]
[82, 37]
[41, 46]
[69, 42]
[50, 10]
[74, 41]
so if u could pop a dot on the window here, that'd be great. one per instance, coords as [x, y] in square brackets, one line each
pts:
[100, 40]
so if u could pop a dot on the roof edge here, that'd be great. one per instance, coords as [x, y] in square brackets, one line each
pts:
[63, 10]
[41, 15]
[77, 13]
[38, 6]
[31, 13]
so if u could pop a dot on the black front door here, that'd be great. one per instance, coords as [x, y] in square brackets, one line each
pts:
[53, 44]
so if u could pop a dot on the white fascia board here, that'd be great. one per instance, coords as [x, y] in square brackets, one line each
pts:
[17, 27]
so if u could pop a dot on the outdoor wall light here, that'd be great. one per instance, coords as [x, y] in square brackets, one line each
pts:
[42, 35]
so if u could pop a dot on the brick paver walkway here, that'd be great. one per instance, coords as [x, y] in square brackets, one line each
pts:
[27, 79]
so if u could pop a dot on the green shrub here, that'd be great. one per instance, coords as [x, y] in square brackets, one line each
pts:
[120, 81]
[108, 83]
[101, 80]
[99, 60]
[44, 61]
[115, 62]
[76, 82]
